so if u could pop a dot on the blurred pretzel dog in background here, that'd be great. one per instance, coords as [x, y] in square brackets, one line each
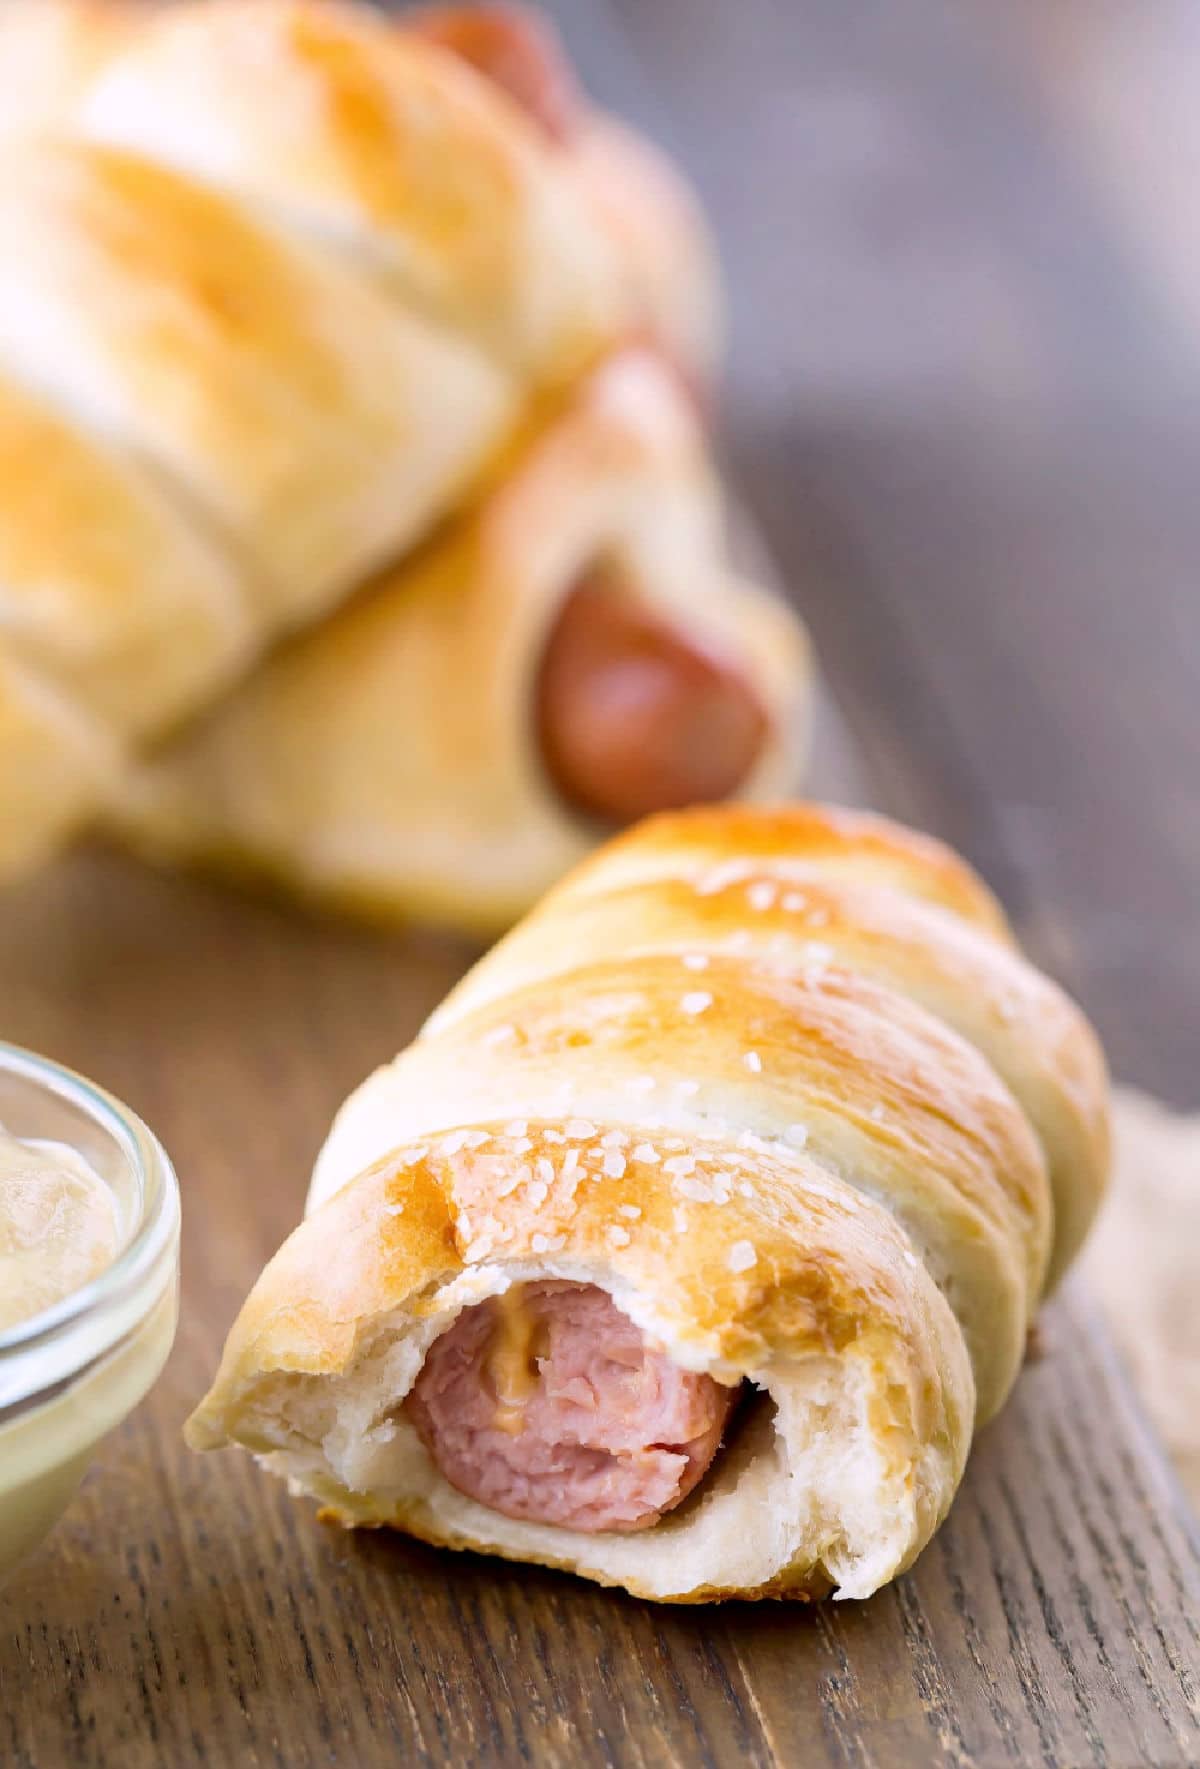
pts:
[373, 328]
[701, 1227]
[442, 747]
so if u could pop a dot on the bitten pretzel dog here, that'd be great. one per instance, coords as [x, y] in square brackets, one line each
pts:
[286, 287]
[576, 651]
[692, 1239]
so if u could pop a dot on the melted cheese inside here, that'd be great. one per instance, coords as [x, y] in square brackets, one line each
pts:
[58, 1226]
[512, 1360]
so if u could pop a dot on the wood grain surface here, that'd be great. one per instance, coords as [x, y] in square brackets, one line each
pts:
[964, 410]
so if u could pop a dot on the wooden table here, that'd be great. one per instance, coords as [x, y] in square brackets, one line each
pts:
[964, 407]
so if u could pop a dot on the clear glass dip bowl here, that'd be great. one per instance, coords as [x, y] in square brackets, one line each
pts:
[69, 1374]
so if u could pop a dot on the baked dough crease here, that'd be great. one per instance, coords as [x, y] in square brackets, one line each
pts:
[755, 1101]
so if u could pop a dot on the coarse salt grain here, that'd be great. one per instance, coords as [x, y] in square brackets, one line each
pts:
[499, 1035]
[540, 1243]
[817, 952]
[538, 1193]
[680, 1164]
[450, 1145]
[518, 1127]
[393, 1210]
[695, 960]
[741, 1256]
[876, 1114]
[520, 1145]
[570, 1163]
[761, 895]
[632, 1211]
[647, 1152]
[613, 1139]
[614, 1163]
[796, 1134]
[580, 1128]
[792, 900]
[753, 1062]
[680, 1219]
[696, 1001]
[618, 1236]
[553, 1136]
[544, 1169]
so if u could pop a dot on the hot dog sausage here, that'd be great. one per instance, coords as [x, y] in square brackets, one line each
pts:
[632, 717]
[606, 1432]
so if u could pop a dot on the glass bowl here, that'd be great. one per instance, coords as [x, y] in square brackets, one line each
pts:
[69, 1374]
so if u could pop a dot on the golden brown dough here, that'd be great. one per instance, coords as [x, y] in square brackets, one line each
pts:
[778, 1082]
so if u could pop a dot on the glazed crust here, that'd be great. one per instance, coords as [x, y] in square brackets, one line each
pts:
[763, 1090]
[356, 769]
[823, 887]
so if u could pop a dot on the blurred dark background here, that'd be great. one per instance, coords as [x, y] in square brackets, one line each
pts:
[962, 250]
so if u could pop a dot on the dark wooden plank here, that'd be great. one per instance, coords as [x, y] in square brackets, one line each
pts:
[1118, 85]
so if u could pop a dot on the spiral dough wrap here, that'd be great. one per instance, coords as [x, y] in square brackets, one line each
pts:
[755, 1104]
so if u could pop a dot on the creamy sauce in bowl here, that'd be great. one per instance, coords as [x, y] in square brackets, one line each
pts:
[89, 1283]
[58, 1226]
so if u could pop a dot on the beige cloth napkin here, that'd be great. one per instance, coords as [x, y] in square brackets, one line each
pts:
[1143, 1266]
